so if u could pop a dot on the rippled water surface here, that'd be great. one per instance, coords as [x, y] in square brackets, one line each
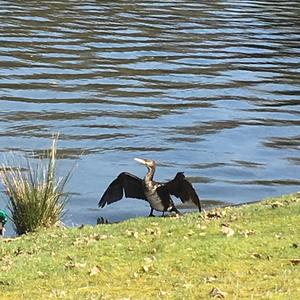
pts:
[211, 88]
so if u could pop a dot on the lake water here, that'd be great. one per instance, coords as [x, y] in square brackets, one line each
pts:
[211, 88]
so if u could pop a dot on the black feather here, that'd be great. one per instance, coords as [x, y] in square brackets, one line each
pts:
[183, 189]
[125, 182]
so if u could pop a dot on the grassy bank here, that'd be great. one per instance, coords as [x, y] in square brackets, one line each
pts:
[253, 256]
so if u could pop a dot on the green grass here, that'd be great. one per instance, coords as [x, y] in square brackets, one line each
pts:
[162, 258]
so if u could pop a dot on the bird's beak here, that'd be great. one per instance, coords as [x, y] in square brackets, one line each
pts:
[140, 160]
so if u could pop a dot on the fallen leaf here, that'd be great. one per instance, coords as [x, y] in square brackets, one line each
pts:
[174, 215]
[8, 240]
[5, 268]
[227, 230]
[210, 279]
[146, 268]
[276, 204]
[129, 233]
[256, 255]
[295, 261]
[103, 237]
[149, 260]
[18, 251]
[154, 224]
[216, 214]
[163, 293]
[234, 217]
[69, 257]
[58, 294]
[154, 231]
[187, 285]
[247, 232]
[148, 263]
[73, 265]
[41, 274]
[95, 270]
[2, 282]
[217, 293]
[80, 265]
[90, 239]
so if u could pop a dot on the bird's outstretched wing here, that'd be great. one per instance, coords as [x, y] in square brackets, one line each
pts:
[130, 184]
[181, 188]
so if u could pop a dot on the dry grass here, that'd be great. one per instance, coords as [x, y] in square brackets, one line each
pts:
[36, 196]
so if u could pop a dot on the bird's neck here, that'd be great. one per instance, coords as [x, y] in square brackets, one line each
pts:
[149, 175]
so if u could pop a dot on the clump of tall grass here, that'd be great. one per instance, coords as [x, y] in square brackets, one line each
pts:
[36, 195]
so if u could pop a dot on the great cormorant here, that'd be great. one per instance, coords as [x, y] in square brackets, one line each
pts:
[156, 193]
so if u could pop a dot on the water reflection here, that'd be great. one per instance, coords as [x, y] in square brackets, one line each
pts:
[210, 88]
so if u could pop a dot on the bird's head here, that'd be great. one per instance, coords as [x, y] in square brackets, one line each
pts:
[147, 162]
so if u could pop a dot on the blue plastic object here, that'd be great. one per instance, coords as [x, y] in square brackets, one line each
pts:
[3, 216]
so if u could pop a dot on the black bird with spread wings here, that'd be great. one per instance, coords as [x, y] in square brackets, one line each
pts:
[156, 193]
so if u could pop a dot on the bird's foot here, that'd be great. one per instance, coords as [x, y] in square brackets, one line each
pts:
[151, 213]
[102, 220]
[174, 210]
[175, 214]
